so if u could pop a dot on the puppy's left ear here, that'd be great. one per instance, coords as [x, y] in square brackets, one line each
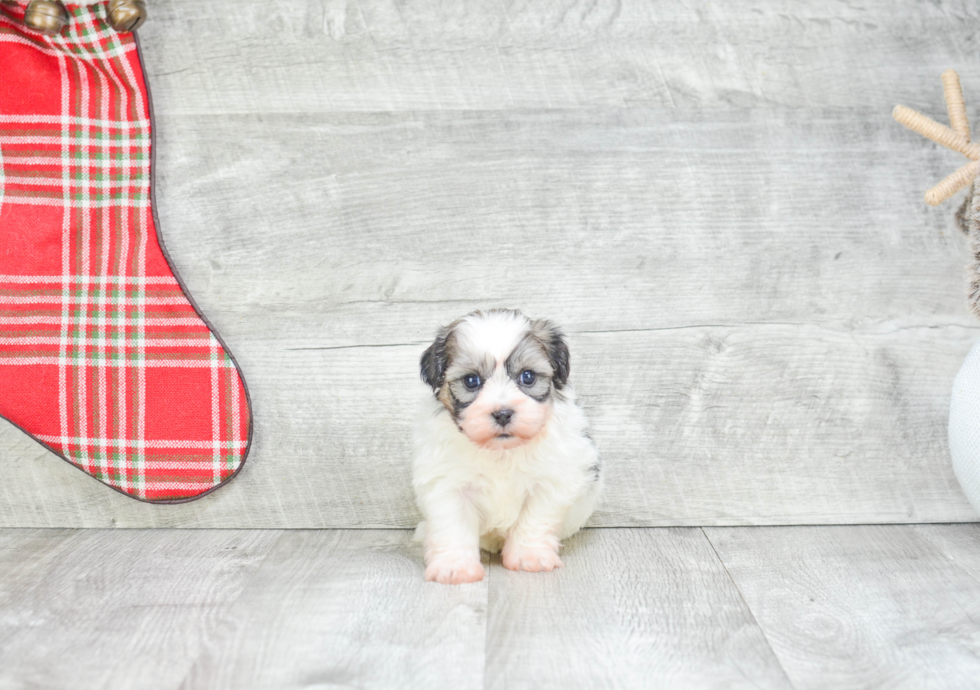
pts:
[434, 360]
[554, 344]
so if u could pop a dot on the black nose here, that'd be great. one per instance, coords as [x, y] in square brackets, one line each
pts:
[502, 417]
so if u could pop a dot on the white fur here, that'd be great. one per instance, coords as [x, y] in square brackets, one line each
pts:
[520, 500]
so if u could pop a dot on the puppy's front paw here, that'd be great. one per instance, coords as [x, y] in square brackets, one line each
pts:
[452, 569]
[532, 559]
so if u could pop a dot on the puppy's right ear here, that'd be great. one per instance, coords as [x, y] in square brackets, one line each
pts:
[434, 361]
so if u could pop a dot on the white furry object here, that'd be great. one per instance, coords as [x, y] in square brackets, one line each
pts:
[502, 458]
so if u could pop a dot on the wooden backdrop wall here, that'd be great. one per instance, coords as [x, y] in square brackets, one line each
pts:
[712, 198]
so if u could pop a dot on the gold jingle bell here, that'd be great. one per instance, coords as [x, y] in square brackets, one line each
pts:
[127, 15]
[46, 16]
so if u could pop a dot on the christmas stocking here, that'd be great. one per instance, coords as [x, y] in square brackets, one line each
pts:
[103, 357]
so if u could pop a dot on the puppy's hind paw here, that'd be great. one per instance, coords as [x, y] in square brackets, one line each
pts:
[532, 559]
[454, 570]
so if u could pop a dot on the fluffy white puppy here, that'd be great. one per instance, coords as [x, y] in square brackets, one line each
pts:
[502, 458]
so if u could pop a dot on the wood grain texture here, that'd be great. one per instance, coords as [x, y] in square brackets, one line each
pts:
[117, 609]
[765, 320]
[372, 228]
[732, 425]
[772, 607]
[347, 609]
[651, 608]
[863, 607]
[339, 55]
[960, 544]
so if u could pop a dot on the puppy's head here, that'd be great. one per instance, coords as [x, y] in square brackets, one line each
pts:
[497, 373]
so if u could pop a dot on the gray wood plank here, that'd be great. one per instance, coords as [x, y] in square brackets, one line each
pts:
[862, 607]
[960, 544]
[347, 609]
[333, 55]
[115, 609]
[25, 556]
[842, 607]
[650, 608]
[770, 424]
[357, 229]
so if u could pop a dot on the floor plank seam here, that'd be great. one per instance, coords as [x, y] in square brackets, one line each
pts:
[486, 622]
[748, 608]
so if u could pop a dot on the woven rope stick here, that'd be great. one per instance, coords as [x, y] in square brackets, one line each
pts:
[957, 138]
[938, 133]
[952, 184]
[955, 105]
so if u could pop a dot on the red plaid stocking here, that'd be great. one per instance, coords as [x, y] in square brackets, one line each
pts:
[103, 358]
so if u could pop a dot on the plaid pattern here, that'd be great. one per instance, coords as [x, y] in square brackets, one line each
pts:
[102, 356]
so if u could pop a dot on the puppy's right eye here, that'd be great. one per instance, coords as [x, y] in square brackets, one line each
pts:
[472, 382]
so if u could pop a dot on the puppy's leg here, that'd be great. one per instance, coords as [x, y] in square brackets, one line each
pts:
[532, 544]
[452, 539]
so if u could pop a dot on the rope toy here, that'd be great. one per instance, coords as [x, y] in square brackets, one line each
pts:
[956, 137]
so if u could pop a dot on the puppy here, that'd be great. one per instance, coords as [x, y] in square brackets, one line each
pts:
[502, 459]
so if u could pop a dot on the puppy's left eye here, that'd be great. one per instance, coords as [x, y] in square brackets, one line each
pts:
[528, 378]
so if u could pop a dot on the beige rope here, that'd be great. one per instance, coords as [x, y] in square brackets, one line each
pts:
[931, 129]
[957, 138]
[952, 184]
[955, 105]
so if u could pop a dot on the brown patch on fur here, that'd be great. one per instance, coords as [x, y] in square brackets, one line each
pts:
[553, 342]
[437, 356]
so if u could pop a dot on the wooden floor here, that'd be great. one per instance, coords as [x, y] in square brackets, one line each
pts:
[838, 607]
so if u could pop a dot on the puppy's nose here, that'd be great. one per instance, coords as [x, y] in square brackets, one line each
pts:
[502, 417]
